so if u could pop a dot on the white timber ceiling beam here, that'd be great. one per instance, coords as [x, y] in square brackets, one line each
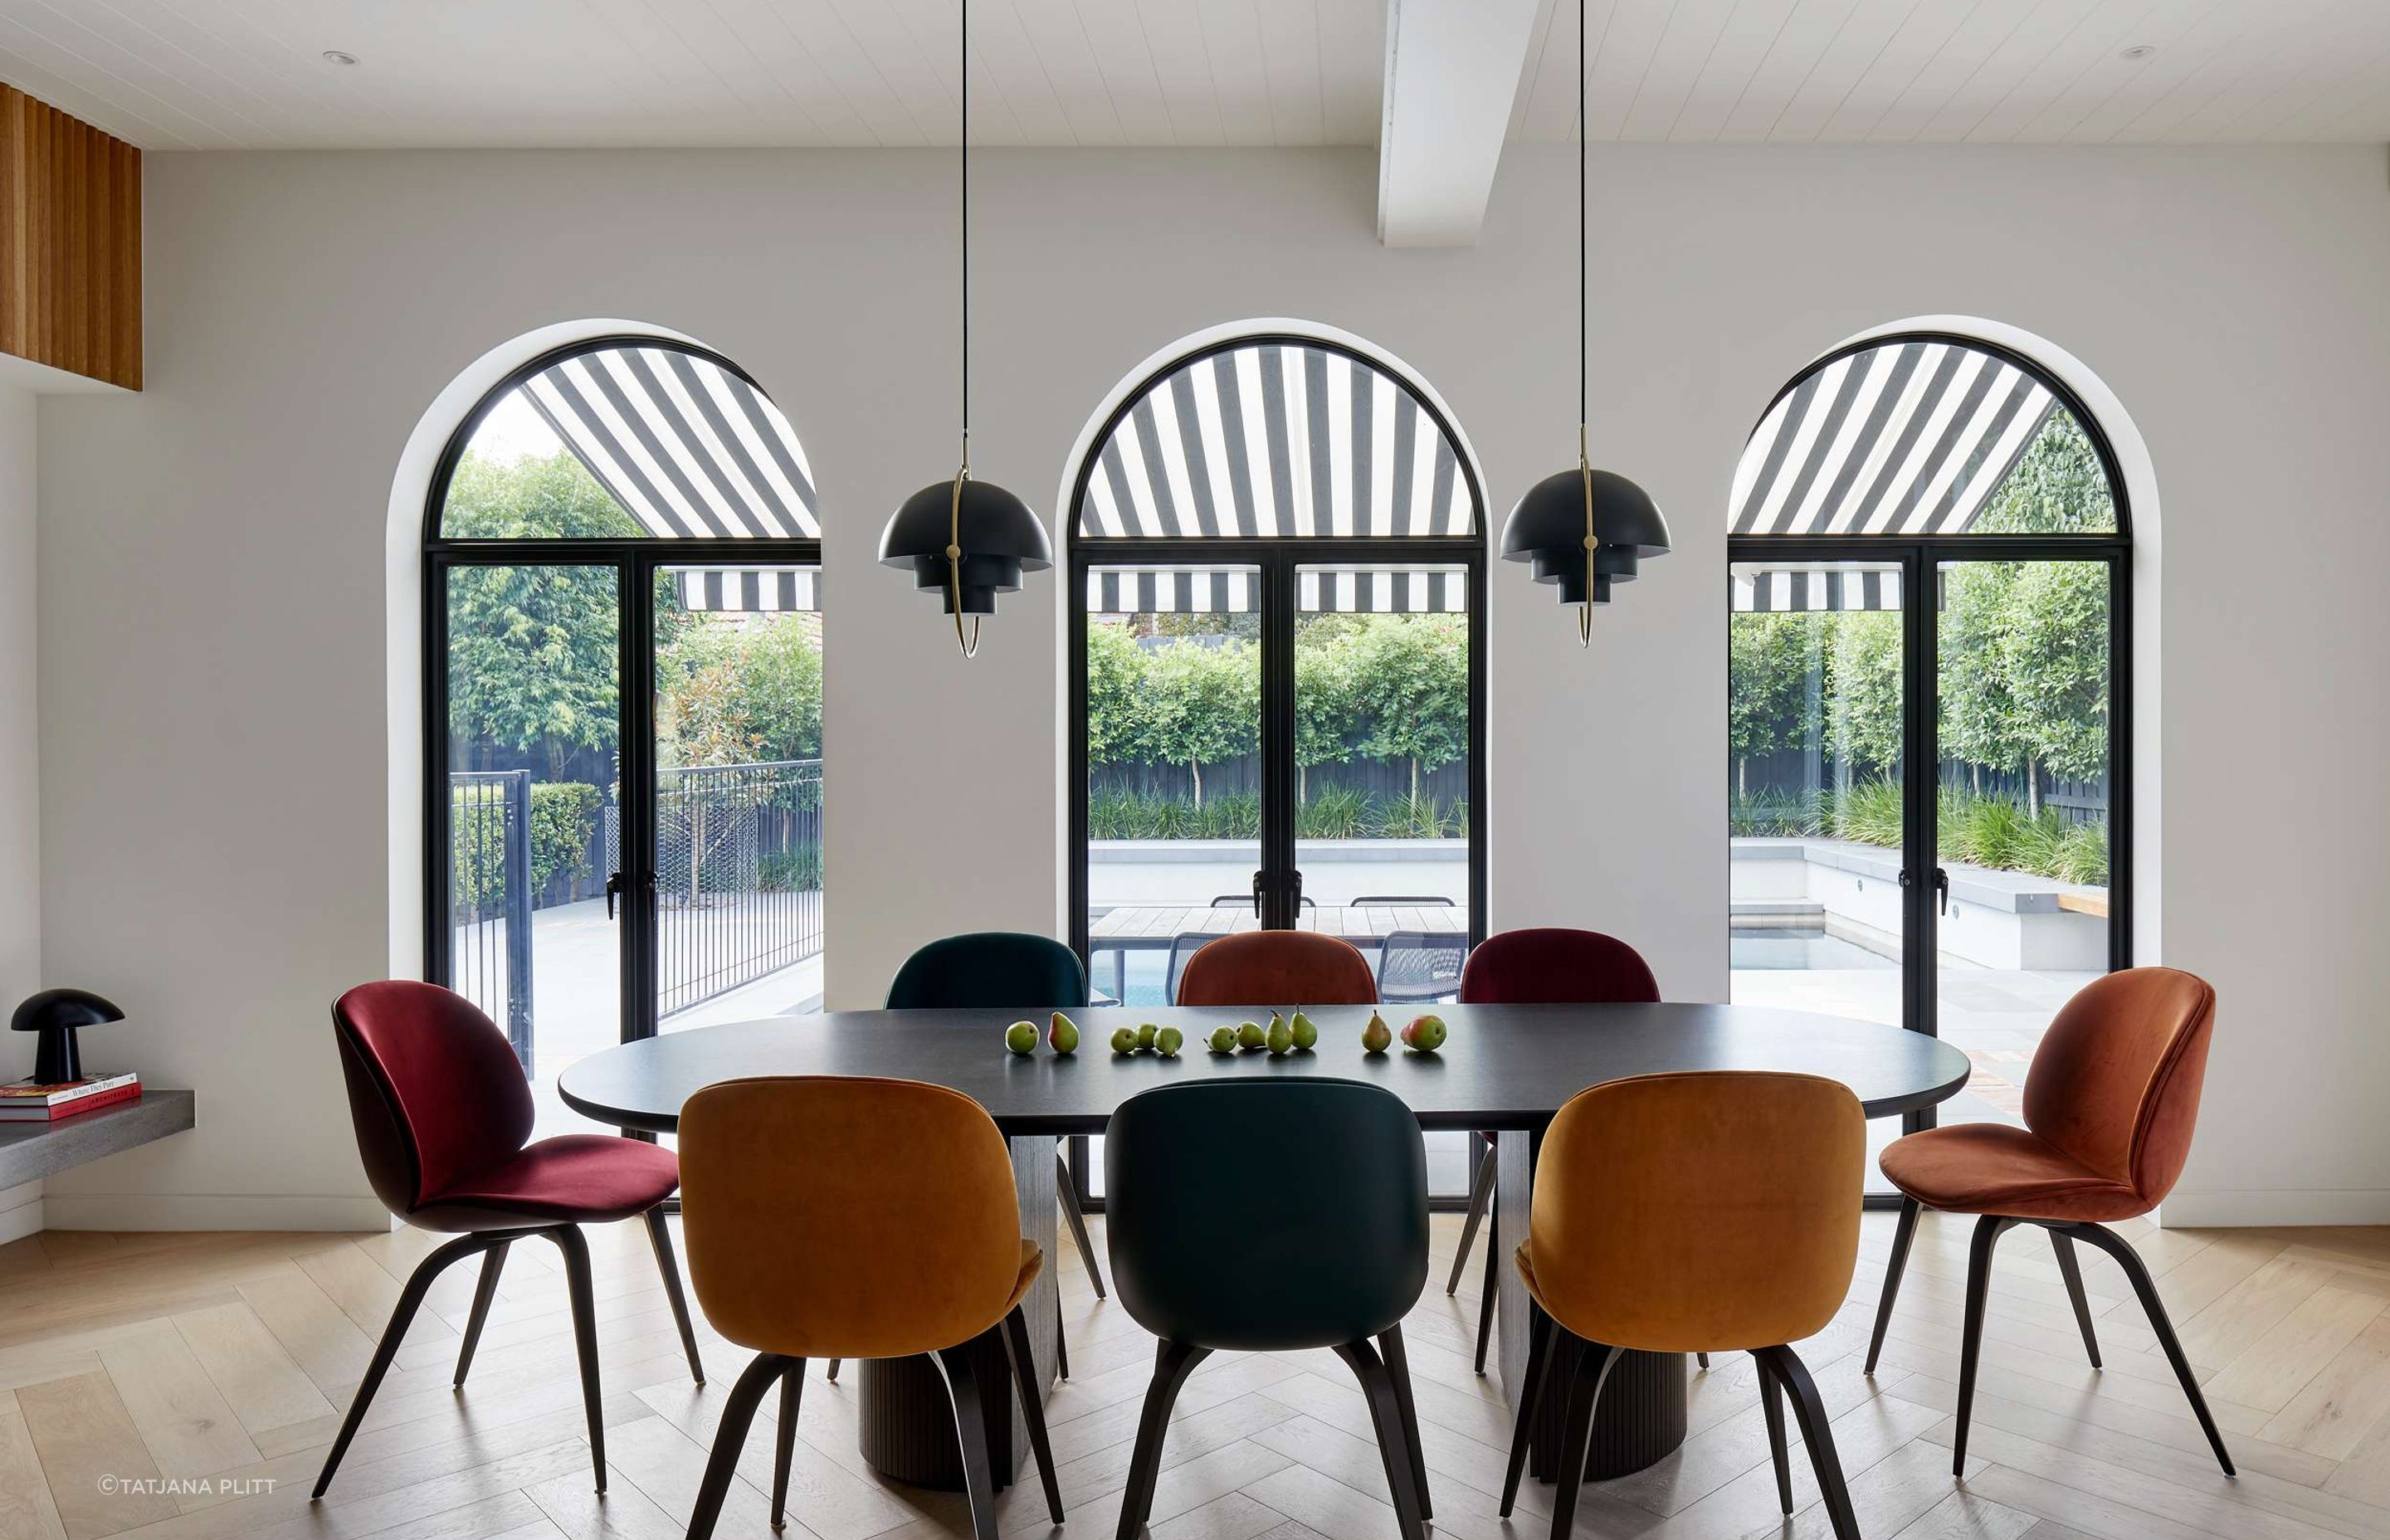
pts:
[1452, 69]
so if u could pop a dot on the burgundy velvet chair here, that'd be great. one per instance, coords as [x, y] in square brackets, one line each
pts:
[442, 1112]
[2109, 1107]
[1540, 966]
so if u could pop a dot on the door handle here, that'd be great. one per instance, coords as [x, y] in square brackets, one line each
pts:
[1942, 888]
[613, 887]
[1257, 895]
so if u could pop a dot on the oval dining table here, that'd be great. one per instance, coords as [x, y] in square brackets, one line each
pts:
[1504, 1069]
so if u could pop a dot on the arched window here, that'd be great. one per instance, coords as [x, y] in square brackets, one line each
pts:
[1276, 673]
[605, 863]
[1929, 712]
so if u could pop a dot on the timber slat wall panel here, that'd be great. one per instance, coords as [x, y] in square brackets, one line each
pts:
[69, 243]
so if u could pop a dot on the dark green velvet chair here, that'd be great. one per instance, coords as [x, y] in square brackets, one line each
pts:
[1264, 1217]
[1004, 971]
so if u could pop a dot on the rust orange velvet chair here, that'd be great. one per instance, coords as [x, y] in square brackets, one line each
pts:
[830, 1216]
[1684, 1214]
[1272, 968]
[2109, 1106]
[1538, 965]
[441, 1110]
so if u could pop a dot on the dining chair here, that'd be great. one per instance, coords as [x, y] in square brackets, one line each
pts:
[2109, 1102]
[1183, 946]
[1539, 966]
[830, 1215]
[1334, 1259]
[1716, 1211]
[1004, 970]
[442, 1110]
[1274, 967]
[1415, 967]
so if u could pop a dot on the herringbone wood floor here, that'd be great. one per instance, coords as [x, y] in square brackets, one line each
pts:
[187, 1356]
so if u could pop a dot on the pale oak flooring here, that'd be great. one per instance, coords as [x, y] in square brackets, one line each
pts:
[231, 1356]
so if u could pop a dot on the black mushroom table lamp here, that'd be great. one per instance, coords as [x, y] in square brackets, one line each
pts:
[55, 1013]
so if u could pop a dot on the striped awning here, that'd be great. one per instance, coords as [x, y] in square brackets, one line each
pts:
[753, 589]
[693, 450]
[1276, 439]
[1238, 590]
[1793, 590]
[1909, 438]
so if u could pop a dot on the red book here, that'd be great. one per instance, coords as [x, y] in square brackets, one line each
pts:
[21, 1103]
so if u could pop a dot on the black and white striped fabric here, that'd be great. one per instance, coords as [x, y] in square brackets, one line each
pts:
[761, 590]
[1238, 590]
[690, 448]
[1910, 438]
[1276, 439]
[1795, 590]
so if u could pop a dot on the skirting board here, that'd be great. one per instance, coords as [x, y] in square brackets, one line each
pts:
[20, 1212]
[143, 1211]
[2287, 1208]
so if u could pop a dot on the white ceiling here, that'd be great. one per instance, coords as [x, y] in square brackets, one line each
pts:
[216, 74]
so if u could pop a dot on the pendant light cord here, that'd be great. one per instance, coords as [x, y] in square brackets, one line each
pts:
[968, 641]
[1583, 465]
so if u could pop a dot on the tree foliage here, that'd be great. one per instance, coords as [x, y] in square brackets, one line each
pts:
[1203, 705]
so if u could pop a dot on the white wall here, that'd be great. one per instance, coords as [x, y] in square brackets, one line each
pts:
[20, 801]
[213, 645]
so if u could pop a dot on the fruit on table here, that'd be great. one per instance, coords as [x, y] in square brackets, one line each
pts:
[1250, 1034]
[1375, 1037]
[1424, 1034]
[1145, 1034]
[1307, 1036]
[1168, 1040]
[1124, 1041]
[1224, 1040]
[1063, 1034]
[1021, 1037]
[1281, 1038]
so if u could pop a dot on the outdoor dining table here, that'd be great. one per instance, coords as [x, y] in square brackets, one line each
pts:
[1128, 928]
[1504, 1069]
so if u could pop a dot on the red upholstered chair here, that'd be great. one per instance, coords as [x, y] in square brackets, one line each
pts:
[1540, 966]
[2109, 1107]
[442, 1113]
[1276, 968]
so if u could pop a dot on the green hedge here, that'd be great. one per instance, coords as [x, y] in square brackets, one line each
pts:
[1995, 832]
[1338, 813]
[563, 823]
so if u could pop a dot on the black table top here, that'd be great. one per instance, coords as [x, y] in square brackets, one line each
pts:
[1502, 1067]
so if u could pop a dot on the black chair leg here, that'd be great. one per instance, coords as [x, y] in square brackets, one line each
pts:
[1901, 1237]
[1480, 1198]
[1771, 1401]
[831, 1373]
[659, 1239]
[1543, 1343]
[1398, 1368]
[569, 1241]
[792, 1390]
[2069, 1270]
[1988, 1231]
[730, 1439]
[2120, 1249]
[410, 1300]
[1788, 1370]
[1069, 1192]
[1062, 1343]
[971, 1432]
[1485, 1298]
[1577, 1436]
[1172, 1362]
[493, 1261]
[1033, 1404]
[1704, 1359]
[1393, 1449]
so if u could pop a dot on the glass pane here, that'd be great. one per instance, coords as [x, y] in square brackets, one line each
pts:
[1815, 730]
[739, 794]
[2023, 822]
[1174, 770]
[533, 741]
[1381, 730]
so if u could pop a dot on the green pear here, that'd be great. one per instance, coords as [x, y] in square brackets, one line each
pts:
[1224, 1040]
[1063, 1034]
[1250, 1034]
[1145, 1035]
[1168, 1040]
[1021, 1037]
[1375, 1037]
[1307, 1036]
[1281, 1038]
[1124, 1041]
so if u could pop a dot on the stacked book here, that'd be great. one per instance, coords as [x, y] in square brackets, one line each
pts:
[28, 1101]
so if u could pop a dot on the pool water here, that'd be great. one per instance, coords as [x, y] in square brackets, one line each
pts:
[1797, 951]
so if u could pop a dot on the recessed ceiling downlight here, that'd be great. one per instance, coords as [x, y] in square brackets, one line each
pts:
[336, 56]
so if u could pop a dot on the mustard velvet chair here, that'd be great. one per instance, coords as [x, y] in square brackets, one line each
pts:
[2110, 1103]
[833, 1216]
[1715, 1212]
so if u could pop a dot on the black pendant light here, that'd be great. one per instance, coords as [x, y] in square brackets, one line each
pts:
[970, 540]
[1584, 529]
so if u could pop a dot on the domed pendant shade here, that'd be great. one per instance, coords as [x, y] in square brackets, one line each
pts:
[997, 536]
[1550, 525]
